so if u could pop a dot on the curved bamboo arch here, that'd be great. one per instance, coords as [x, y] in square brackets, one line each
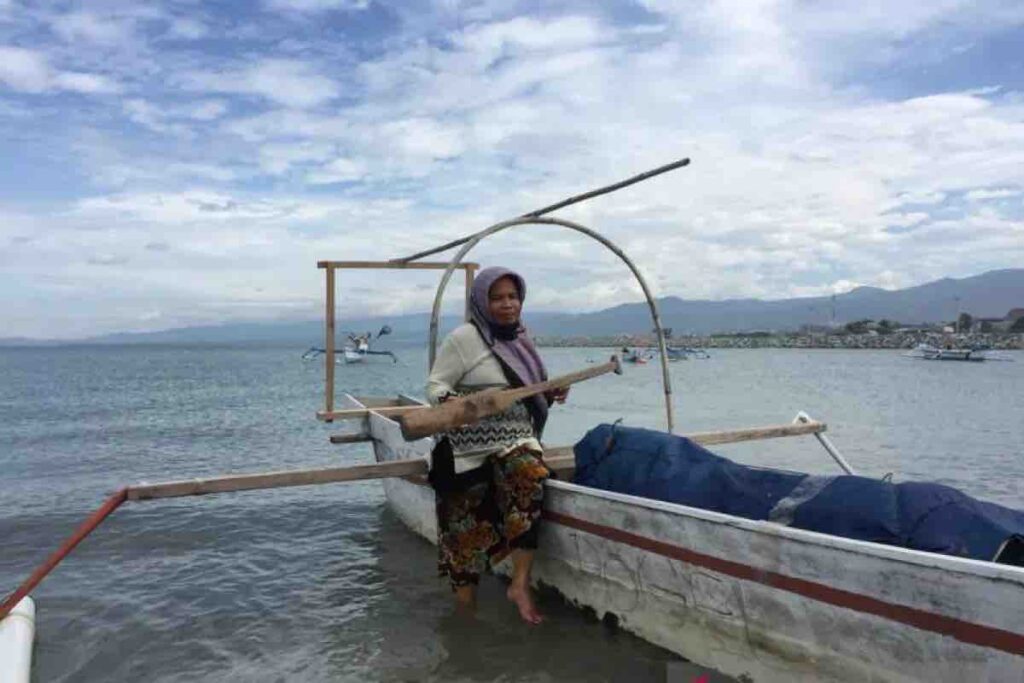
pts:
[526, 220]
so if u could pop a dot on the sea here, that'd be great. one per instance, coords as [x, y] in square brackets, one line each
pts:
[323, 583]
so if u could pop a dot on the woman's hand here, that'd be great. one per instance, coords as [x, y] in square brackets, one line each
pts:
[558, 395]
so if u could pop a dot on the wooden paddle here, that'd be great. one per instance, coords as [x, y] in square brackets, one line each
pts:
[458, 412]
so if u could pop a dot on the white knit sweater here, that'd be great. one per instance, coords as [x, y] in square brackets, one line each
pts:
[465, 364]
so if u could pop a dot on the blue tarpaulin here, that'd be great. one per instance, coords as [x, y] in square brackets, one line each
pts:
[923, 516]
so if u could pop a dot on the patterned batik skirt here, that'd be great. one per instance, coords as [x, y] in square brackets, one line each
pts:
[488, 513]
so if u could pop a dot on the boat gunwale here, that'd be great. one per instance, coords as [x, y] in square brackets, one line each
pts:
[959, 565]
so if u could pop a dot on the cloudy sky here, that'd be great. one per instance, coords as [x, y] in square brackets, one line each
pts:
[181, 162]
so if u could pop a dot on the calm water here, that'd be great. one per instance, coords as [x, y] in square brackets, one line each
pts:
[323, 583]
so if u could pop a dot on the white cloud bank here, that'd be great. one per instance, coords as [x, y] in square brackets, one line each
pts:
[241, 165]
[30, 71]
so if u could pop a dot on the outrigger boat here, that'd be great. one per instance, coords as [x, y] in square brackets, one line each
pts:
[929, 352]
[754, 599]
[356, 350]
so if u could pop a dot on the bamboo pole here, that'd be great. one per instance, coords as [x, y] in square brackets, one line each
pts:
[84, 529]
[329, 343]
[470, 275]
[396, 265]
[270, 480]
[558, 205]
[562, 456]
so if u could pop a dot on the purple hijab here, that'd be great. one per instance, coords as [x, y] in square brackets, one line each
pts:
[512, 346]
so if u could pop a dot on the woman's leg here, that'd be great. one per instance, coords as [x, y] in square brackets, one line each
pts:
[465, 535]
[519, 489]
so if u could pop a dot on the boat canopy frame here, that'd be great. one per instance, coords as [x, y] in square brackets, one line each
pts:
[478, 237]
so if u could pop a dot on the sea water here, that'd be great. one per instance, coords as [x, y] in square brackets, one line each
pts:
[324, 583]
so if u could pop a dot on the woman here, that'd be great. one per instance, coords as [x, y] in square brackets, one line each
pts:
[489, 477]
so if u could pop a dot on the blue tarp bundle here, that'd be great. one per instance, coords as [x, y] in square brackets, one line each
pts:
[923, 516]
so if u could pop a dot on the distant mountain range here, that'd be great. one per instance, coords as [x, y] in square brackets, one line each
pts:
[989, 295]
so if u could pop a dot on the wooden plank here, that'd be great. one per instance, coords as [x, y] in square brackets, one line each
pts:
[396, 265]
[268, 480]
[359, 413]
[378, 401]
[350, 438]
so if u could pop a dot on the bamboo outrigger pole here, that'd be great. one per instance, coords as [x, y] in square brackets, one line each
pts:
[265, 480]
[576, 199]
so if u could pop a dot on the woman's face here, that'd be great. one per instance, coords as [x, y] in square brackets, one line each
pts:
[503, 302]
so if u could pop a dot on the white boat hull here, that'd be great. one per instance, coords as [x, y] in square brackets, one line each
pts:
[17, 631]
[352, 356]
[757, 598]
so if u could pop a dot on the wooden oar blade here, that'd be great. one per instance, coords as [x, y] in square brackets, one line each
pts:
[475, 407]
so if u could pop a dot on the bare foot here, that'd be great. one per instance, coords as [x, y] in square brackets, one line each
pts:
[522, 597]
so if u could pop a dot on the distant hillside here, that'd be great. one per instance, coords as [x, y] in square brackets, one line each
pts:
[990, 295]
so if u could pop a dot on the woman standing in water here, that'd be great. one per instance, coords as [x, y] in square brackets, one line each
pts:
[489, 477]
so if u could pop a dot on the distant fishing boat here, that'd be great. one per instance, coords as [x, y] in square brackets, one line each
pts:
[929, 352]
[356, 350]
[633, 356]
[686, 352]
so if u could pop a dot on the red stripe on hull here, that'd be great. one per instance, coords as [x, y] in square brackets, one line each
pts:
[964, 631]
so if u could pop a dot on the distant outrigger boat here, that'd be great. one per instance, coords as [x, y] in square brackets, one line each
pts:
[356, 350]
[929, 352]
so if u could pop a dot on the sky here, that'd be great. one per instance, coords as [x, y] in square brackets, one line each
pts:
[175, 163]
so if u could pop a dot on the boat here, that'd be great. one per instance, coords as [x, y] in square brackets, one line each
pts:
[929, 352]
[686, 352]
[356, 350]
[759, 600]
[633, 356]
[754, 599]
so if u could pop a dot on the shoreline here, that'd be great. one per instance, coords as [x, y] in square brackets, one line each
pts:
[894, 341]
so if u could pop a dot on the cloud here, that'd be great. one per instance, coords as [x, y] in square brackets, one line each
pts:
[338, 171]
[29, 71]
[830, 147]
[995, 193]
[173, 119]
[107, 260]
[91, 28]
[187, 29]
[288, 82]
[315, 6]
